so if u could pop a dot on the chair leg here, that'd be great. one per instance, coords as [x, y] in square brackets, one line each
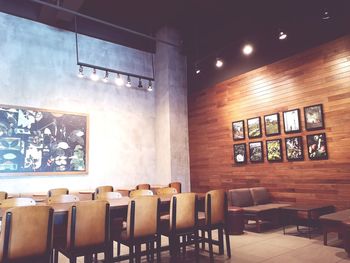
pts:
[88, 258]
[158, 248]
[55, 260]
[131, 253]
[152, 250]
[221, 240]
[73, 260]
[118, 249]
[203, 239]
[228, 246]
[138, 253]
[196, 244]
[184, 241]
[210, 242]
[147, 251]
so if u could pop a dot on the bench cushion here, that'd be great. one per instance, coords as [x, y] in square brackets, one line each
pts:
[260, 195]
[265, 207]
[241, 197]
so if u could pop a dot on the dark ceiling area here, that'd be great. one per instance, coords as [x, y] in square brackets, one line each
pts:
[209, 28]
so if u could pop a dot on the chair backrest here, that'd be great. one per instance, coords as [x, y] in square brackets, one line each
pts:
[241, 197]
[62, 199]
[3, 195]
[104, 188]
[166, 191]
[176, 185]
[260, 195]
[143, 187]
[183, 211]
[88, 224]
[58, 191]
[215, 207]
[18, 201]
[108, 196]
[140, 192]
[26, 234]
[143, 216]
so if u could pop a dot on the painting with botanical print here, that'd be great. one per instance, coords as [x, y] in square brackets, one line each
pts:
[317, 146]
[314, 117]
[240, 153]
[291, 120]
[256, 152]
[274, 150]
[254, 127]
[294, 148]
[41, 141]
[272, 124]
[238, 130]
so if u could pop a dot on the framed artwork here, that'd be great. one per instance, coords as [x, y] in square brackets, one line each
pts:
[238, 130]
[291, 120]
[317, 146]
[256, 152]
[314, 117]
[294, 148]
[40, 142]
[240, 153]
[274, 150]
[272, 124]
[254, 127]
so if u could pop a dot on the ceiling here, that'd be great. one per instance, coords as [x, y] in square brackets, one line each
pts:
[209, 28]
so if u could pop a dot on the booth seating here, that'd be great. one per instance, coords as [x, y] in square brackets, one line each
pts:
[257, 204]
[235, 220]
[333, 222]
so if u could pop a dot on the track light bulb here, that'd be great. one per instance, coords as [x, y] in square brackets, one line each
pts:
[128, 82]
[219, 63]
[105, 79]
[81, 73]
[118, 80]
[282, 35]
[325, 15]
[140, 84]
[150, 86]
[198, 71]
[247, 49]
[94, 75]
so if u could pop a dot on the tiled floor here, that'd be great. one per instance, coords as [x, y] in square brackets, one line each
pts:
[271, 247]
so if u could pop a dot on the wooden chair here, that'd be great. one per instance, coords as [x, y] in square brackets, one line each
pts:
[102, 189]
[62, 199]
[18, 201]
[58, 191]
[108, 196]
[176, 185]
[142, 227]
[141, 192]
[3, 195]
[215, 217]
[182, 222]
[87, 231]
[143, 187]
[26, 234]
[166, 191]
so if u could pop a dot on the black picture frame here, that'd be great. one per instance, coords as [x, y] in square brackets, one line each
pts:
[272, 124]
[313, 117]
[240, 153]
[254, 127]
[317, 146]
[291, 121]
[294, 148]
[256, 152]
[238, 130]
[274, 150]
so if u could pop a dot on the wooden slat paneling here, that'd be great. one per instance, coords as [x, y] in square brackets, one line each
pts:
[319, 75]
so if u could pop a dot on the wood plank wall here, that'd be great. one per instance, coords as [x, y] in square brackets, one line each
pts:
[319, 75]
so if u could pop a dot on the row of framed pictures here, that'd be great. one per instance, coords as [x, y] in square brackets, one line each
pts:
[313, 116]
[316, 145]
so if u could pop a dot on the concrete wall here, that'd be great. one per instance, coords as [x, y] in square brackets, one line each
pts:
[38, 69]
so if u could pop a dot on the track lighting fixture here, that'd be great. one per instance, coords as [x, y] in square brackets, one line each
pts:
[105, 79]
[247, 49]
[282, 35]
[94, 75]
[128, 82]
[219, 63]
[198, 71]
[81, 73]
[118, 80]
[325, 15]
[140, 84]
[149, 86]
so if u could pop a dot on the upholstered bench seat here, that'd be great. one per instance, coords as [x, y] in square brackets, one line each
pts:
[265, 207]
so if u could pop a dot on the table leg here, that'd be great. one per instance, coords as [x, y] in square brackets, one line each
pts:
[324, 237]
[309, 223]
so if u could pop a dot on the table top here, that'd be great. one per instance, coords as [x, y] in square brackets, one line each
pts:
[307, 207]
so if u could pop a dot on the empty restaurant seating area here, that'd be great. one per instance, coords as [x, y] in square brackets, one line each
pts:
[174, 131]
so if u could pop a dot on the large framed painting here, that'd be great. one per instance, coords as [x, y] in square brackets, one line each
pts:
[294, 148]
[317, 146]
[314, 117]
[256, 152]
[274, 150]
[254, 127]
[39, 142]
[240, 153]
[238, 130]
[272, 124]
[291, 120]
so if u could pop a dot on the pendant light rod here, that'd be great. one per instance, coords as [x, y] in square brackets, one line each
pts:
[59, 8]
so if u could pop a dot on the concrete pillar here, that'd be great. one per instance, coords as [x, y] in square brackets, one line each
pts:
[172, 152]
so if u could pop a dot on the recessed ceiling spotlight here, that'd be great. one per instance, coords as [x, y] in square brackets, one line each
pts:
[118, 80]
[81, 73]
[282, 35]
[325, 15]
[105, 79]
[247, 49]
[219, 63]
[128, 82]
[198, 71]
[94, 75]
